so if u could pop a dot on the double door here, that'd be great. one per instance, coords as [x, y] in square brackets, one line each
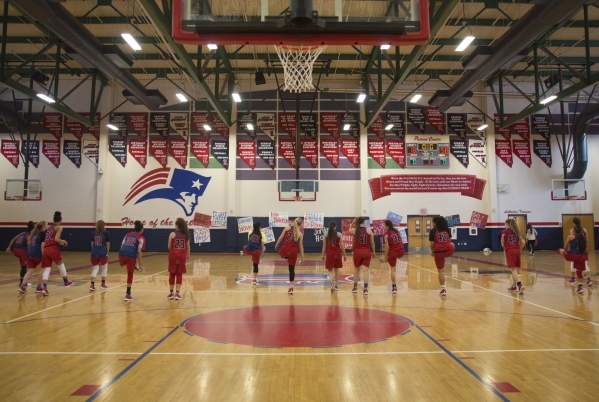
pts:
[419, 228]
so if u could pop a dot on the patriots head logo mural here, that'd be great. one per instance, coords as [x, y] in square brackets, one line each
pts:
[177, 185]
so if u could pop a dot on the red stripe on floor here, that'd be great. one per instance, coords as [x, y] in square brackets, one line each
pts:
[86, 390]
[504, 387]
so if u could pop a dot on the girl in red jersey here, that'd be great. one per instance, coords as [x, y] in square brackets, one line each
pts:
[587, 270]
[393, 251]
[35, 244]
[293, 240]
[100, 247]
[51, 253]
[363, 241]
[333, 247]
[18, 247]
[255, 248]
[512, 242]
[179, 251]
[576, 251]
[441, 248]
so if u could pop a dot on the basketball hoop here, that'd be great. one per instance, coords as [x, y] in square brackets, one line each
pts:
[298, 63]
[297, 198]
[18, 198]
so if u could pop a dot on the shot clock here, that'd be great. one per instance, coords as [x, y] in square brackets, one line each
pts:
[427, 154]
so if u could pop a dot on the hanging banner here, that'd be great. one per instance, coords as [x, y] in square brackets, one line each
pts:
[95, 130]
[220, 151]
[351, 149]
[478, 150]
[542, 149]
[119, 120]
[10, 150]
[177, 148]
[474, 121]
[416, 117]
[51, 150]
[457, 123]
[504, 132]
[397, 151]
[198, 120]
[246, 150]
[459, 149]
[288, 124]
[540, 125]
[330, 123]
[159, 124]
[138, 149]
[266, 123]
[378, 127]
[521, 149]
[72, 150]
[266, 152]
[399, 123]
[354, 127]
[220, 127]
[158, 149]
[73, 126]
[330, 150]
[199, 149]
[522, 128]
[376, 150]
[138, 124]
[91, 150]
[310, 151]
[118, 149]
[34, 152]
[308, 124]
[53, 123]
[287, 151]
[244, 122]
[435, 118]
[503, 149]
[466, 185]
[180, 123]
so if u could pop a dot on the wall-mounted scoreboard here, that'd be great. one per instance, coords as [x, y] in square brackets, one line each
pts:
[427, 154]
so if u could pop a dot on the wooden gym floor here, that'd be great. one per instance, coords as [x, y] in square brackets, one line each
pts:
[229, 341]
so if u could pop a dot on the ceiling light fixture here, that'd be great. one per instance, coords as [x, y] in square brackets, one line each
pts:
[250, 126]
[131, 41]
[112, 127]
[212, 46]
[346, 127]
[46, 98]
[481, 128]
[182, 97]
[389, 127]
[465, 43]
[385, 47]
[361, 98]
[548, 99]
[236, 97]
[416, 98]
[207, 127]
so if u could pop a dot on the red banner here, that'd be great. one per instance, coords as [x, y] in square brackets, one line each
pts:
[204, 220]
[10, 150]
[378, 227]
[378, 127]
[522, 151]
[376, 150]
[177, 148]
[73, 126]
[478, 220]
[199, 149]
[466, 185]
[522, 128]
[288, 124]
[505, 132]
[95, 130]
[138, 123]
[503, 149]
[351, 149]
[287, 151]
[197, 123]
[51, 150]
[158, 149]
[330, 123]
[53, 123]
[138, 149]
[330, 150]
[435, 118]
[220, 127]
[397, 151]
[246, 149]
[310, 151]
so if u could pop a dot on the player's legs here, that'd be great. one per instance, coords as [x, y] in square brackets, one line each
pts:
[440, 264]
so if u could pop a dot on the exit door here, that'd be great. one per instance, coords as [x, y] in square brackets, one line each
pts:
[587, 221]
[521, 222]
[419, 228]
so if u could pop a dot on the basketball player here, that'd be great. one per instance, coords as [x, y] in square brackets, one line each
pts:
[393, 251]
[255, 248]
[587, 270]
[576, 251]
[179, 252]
[293, 240]
[34, 256]
[512, 242]
[332, 247]
[130, 254]
[363, 241]
[441, 248]
[51, 253]
[18, 246]
[100, 247]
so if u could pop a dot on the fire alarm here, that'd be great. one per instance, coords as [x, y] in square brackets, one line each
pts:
[423, 210]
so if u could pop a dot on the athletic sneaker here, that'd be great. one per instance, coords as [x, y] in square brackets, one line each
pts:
[394, 290]
[23, 289]
[178, 296]
[128, 298]
[580, 290]
[255, 282]
[45, 292]
[355, 289]
[336, 288]
[521, 289]
[39, 289]
[589, 282]
[104, 287]
[333, 286]
[365, 292]
[513, 288]
[443, 292]
[170, 296]
[69, 283]
[92, 288]
[290, 291]
[572, 281]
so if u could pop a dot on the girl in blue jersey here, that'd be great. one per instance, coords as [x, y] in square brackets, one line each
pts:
[100, 247]
[576, 251]
[35, 241]
[130, 254]
[18, 246]
[255, 248]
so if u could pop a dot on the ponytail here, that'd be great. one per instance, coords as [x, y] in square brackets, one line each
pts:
[256, 230]
[331, 231]
[36, 229]
[182, 225]
[296, 228]
[359, 221]
[581, 239]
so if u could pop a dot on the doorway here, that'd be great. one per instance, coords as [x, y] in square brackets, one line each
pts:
[586, 220]
[521, 222]
[419, 228]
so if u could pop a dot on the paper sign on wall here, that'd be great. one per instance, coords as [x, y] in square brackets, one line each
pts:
[404, 236]
[313, 221]
[201, 235]
[394, 218]
[200, 219]
[453, 220]
[347, 236]
[478, 220]
[219, 219]
[278, 219]
[378, 227]
[245, 225]
[268, 234]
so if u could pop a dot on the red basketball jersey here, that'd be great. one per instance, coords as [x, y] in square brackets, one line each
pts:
[179, 244]
[363, 240]
[289, 241]
[510, 239]
[50, 235]
[394, 240]
[442, 241]
[333, 247]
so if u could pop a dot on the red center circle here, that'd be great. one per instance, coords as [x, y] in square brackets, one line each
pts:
[297, 326]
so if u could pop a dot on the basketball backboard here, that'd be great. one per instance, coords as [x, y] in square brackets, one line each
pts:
[23, 190]
[305, 22]
[564, 190]
[300, 190]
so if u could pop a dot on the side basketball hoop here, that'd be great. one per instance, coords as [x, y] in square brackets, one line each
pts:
[297, 198]
[18, 198]
[298, 63]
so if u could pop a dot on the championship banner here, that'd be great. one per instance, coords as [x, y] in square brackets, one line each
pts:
[34, 151]
[466, 185]
[243, 120]
[540, 125]
[220, 127]
[310, 151]
[91, 150]
[378, 127]
[119, 120]
[435, 118]
[95, 130]
[457, 123]
[73, 126]
[522, 128]
[10, 150]
[197, 123]
[72, 150]
[542, 149]
[308, 124]
[351, 149]
[159, 124]
[397, 151]
[288, 124]
[138, 149]
[50, 149]
[478, 220]
[220, 152]
[330, 150]
[246, 149]
[177, 148]
[180, 123]
[376, 150]
[521, 149]
[474, 121]
[459, 149]
[478, 150]
[330, 123]
[159, 150]
[138, 124]
[199, 149]
[53, 123]
[266, 123]
[287, 151]
[354, 127]
[503, 149]
[504, 132]
[266, 152]
[416, 117]
[399, 123]
[118, 148]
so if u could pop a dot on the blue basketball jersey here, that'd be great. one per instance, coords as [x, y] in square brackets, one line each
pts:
[21, 241]
[35, 248]
[131, 243]
[99, 240]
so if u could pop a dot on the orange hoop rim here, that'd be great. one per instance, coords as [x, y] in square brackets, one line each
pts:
[299, 48]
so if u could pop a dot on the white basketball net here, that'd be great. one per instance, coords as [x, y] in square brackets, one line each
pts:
[298, 62]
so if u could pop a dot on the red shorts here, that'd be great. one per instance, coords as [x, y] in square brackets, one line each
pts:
[51, 254]
[32, 263]
[333, 260]
[21, 254]
[362, 256]
[290, 253]
[512, 256]
[176, 264]
[394, 256]
[578, 260]
[441, 255]
[99, 261]
[255, 254]
[128, 261]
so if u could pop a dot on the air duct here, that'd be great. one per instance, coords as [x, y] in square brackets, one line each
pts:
[524, 32]
[66, 27]
[581, 155]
